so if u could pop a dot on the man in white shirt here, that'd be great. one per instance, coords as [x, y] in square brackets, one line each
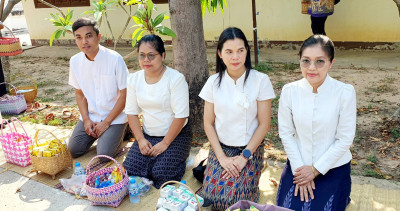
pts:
[99, 77]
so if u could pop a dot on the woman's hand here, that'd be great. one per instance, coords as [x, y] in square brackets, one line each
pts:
[305, 190]
[231, 169]
[144, 146]
[303, 175]
[159, 148]
[240, 161]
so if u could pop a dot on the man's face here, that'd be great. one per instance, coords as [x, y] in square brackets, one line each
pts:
[87, 41]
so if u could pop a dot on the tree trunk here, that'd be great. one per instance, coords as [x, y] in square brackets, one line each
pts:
[189, 54]
[398, 5]
[7, 10]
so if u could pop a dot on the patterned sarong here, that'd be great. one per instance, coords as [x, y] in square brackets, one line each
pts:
[223, 193]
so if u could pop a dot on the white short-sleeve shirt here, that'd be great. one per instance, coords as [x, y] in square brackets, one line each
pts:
[159, 103]
[235, 105]
[317, 128]
[100, 81]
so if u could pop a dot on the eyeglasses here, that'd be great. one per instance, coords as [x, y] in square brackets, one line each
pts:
[150, 56]
[307, 63]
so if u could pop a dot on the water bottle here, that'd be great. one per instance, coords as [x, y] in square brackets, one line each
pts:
[144, 188]
[134, 196]
[181, 186]
[79, 170]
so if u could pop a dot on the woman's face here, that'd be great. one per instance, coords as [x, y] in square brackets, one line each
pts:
[149, 58]
[233, 54]
[315, 64]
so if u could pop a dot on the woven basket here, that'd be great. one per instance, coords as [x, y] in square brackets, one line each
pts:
[16, 152]
[30, 92]
[111, 195]
[179, 183]
[51, 165]
[10, 46]
[15, 105]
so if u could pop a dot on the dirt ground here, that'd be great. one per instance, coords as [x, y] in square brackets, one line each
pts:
[375, 74]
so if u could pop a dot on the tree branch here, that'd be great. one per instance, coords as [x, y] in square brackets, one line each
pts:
[123, 32]
[50, 5]
[7, 10]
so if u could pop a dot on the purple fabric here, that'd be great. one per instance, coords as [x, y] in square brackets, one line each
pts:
[246, 205]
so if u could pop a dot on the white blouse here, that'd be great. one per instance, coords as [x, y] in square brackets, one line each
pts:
[235, 105]
[317, 128]
[159, 103]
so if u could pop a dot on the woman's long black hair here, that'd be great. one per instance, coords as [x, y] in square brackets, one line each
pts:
[231, 33]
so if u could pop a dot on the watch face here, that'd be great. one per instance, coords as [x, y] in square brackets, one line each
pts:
[246, 153]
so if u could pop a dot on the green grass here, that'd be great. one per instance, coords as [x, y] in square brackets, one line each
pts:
[372, 158]
[264, 67]
[50, 91]
[395, 133]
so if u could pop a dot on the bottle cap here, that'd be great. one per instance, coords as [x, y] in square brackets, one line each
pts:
[133, 181]
[183, 181]
[77, 164]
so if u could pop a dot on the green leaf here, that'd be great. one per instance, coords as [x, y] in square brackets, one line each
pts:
[97, 16]
[136, 35]
[58, 33]
[55, 23]
[54, 16]
[52, 38]
[87, 12]
[221, 6]
[159, 19]
[137, 20]
[69, 15]
[149, 8]
[165, 31]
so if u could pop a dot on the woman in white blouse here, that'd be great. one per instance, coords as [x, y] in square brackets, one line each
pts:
[237, 113]
[317, 123]
[161, 95]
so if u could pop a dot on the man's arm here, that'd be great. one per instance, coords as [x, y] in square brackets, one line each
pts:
[83, 109]
[118, 108]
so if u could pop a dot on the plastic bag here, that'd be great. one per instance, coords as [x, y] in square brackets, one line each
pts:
[243, 204]
[75, 185]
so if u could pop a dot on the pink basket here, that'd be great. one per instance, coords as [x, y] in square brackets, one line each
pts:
[16, 152]
[109, 196]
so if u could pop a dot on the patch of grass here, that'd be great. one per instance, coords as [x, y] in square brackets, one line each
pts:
[290, 66]
[395, 133]
[264, 67]
[50, 91]
[278, 85]
[45, 99]
[371, 173]
[372, 158]
[48, 83]
[275, 102]
[55, 122]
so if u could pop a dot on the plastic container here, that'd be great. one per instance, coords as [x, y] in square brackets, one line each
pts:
[181, 186]
[134, 195]
[143, 188]
[79, 170]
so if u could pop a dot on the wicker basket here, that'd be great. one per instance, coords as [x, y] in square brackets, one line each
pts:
[10, 46]
[179, 183]
[30, 92]
[12, 104]
[109, 196]
[51, 165]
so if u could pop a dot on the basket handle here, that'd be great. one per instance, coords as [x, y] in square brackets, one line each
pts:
[37, 133]
[21, 74]
[12, 120]
[10, 31]
[15, 88]
[103, 156]
[176, 182]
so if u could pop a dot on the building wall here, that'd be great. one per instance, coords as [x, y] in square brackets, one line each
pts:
[278, 20]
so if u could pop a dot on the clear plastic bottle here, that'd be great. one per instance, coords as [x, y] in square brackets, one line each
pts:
[143, 187]
[181, 186]
[79, 170]
[134, 195]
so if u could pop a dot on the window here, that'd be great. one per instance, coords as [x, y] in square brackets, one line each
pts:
[63, 3]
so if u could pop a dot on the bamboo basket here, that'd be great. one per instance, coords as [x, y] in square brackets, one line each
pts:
[51, 165]
[29, 95]
[179, 183]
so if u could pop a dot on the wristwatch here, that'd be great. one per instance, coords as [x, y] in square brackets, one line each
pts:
[247, 154]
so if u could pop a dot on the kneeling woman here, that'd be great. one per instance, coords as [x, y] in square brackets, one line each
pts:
[317, 124]
[161, 95]
[237, 113]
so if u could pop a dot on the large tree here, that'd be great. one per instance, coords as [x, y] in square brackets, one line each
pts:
[398, 5]
[189, 53]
